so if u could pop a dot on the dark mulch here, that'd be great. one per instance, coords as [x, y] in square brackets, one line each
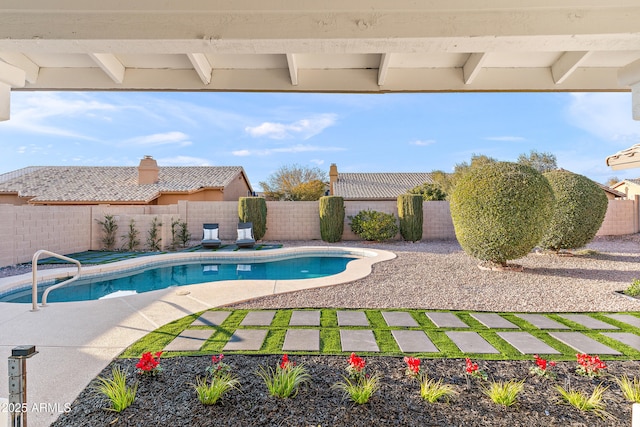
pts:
[169, 399]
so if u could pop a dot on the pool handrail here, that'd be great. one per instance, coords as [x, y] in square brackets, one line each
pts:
[34, 272]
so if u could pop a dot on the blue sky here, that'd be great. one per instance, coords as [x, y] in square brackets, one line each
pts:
[360, 133]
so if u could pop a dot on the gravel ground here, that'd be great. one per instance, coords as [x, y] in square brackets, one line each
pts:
[439, 275]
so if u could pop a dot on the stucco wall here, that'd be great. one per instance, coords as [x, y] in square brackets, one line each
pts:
[67, 229]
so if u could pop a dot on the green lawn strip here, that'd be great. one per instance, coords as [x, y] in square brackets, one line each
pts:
[625, 327]
[627, 352]
[423, 320]
[375, 319]
[474, 324]
[386, 343]
[507, 351]
[566, 352]
[281, 319]
[274, 341]
[330, 341]
[328, 318]
[157, 340]
[573, 325]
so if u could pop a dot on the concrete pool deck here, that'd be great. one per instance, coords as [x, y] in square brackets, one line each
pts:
[77, 340]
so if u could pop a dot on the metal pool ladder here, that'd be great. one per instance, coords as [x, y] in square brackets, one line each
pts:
[34, 272]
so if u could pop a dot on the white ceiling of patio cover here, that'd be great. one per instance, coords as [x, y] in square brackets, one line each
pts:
[320, 46]
[625, 159]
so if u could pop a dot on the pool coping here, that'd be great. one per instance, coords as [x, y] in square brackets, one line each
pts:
[359, 268]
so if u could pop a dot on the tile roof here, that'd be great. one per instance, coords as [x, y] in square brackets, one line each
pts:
[110, 184]
[385, 185]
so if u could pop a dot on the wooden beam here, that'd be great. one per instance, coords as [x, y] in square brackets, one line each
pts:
[566, 64]
[472, 67]
[110, 65]
[12, 76]
[385, 59]
[21, 61]
[293, 68]
[5, 101]
[629, 74]
[202, 66]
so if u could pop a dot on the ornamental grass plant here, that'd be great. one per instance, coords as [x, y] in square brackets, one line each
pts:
[285, 379]
[504, 393]
[210, 391]
[630, 388]
[116, 390]
[586, 403]
[432, 390]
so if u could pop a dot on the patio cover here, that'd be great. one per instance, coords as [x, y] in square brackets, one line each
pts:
[625, 159]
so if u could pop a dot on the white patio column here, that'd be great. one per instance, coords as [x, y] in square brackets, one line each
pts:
[10, 76]
[629, 75]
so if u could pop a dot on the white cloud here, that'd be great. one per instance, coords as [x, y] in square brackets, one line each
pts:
[504, 138]
[305, 128]
[318, 162]
[173, 138]
[31, 112]
[183, 161]
[423, 143]
[604, 114]
[299, 148]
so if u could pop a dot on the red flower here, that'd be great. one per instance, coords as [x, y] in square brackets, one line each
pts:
[356, 363]
[285, 364]
[542, 364]
[413, 365]
[149, 363]
[471, 367]
[590, 365]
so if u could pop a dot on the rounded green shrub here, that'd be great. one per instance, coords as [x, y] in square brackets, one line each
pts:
[331, 218]
[374, 226]
[500, 210]
[410, 216]
[254, 210]
[578, 211]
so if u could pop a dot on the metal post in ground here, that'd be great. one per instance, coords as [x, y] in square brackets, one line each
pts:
[18, 407]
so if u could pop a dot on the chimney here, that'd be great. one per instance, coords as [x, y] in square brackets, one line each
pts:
[148, 171]
[333, 177]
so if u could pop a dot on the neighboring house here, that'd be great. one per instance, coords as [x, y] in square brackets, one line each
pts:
[146, 184]
[611, 193]
[629, 187]
[374, 186]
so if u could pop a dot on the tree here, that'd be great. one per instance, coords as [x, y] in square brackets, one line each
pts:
[295, 182]
[612, 181]
[444, 181]
[429, 192]
[542, 162]
[447, 182]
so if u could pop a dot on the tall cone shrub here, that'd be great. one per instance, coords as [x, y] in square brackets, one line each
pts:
[410, 216]
[331, 218]
[254, 210]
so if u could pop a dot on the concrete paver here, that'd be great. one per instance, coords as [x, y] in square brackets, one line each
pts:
[526, 343]
[446, 320]
[246, 339]
[399, 318]
[583, 343]
[305, 318]
[211, 318]
[632, 340]
[414, 342]
[541, 321]
[471, 342]
[626, 318]
[588, 321]
[302, 340]
[358, 340]
[258, 318]
[493, 320]
[352, 318]
[189, 340]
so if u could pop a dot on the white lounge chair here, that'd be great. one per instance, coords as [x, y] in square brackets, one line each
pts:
[245, 235]
[210, 239]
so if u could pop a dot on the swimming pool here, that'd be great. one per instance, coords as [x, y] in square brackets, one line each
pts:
[181, 273]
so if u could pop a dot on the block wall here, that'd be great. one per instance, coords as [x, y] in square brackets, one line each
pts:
[621, 218]
[293, 221]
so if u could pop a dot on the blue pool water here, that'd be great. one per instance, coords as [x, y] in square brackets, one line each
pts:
[120, 284]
